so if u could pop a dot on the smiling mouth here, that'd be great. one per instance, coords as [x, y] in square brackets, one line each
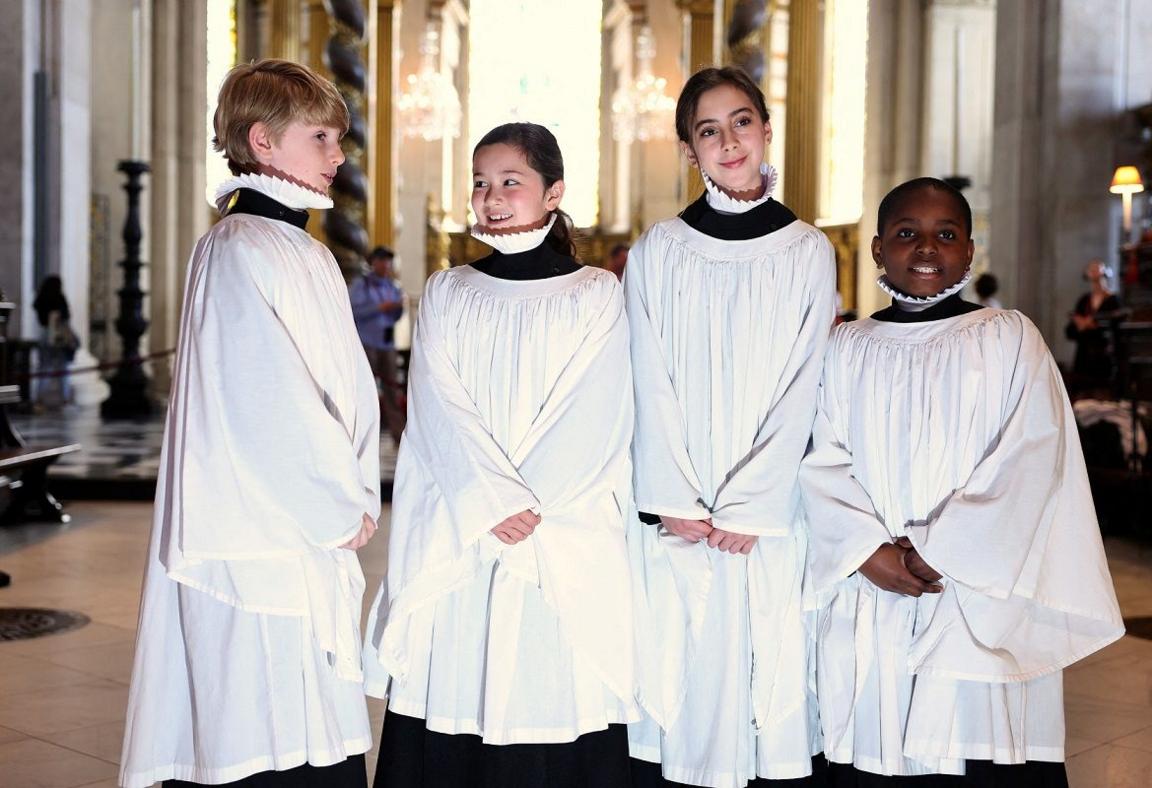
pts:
[495, 218]
[734, 164]
[927, 270]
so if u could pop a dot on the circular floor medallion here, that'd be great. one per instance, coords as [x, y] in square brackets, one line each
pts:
[23, 623]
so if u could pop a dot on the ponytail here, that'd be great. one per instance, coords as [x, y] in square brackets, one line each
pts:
[560, 236]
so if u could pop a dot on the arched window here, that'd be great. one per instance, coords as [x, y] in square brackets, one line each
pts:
[540, 62]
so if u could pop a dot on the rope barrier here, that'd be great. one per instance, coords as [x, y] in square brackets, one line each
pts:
[124, 362]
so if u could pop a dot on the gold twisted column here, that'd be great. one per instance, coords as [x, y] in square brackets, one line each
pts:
[745, 37]
[344, 223]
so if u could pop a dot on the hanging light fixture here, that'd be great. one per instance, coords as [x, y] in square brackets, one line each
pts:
[641, 110]
[429, 106]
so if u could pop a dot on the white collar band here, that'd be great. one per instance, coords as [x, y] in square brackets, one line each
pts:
[288, 194]
[726, 203]
[514, 243]
[916, 303]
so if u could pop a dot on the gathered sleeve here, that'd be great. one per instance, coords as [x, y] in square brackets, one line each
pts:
[760, 496]
[844, 525]
[271, 431]
[448, 435]
[666, 483]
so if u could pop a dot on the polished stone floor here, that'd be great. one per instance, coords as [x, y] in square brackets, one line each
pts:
[118, 459]
[62, 697]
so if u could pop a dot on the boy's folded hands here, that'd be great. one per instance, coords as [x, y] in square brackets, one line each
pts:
[900, 569]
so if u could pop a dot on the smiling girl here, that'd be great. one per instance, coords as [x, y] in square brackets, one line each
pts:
[955, 553]
[729, 306]
[502, 636]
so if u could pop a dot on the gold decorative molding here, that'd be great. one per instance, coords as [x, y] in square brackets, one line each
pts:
[845, 240]
[802, 125]
[284, 29]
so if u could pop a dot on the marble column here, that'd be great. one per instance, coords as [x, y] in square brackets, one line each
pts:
[18, 47]
[175, 191]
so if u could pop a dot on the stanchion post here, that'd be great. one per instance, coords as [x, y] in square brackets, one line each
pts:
[129, 398]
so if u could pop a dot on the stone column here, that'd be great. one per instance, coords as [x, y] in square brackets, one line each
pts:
[1065, 74]
[17, 52]
[175, 190]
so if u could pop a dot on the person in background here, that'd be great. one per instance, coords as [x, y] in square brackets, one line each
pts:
[617, 259]
[1092, 364]
[986, 287]
[377, 303]
[58, 344]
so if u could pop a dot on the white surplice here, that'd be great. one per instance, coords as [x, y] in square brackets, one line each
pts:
[248, 651]
[520, 398]
[956, 433]
[727, 343]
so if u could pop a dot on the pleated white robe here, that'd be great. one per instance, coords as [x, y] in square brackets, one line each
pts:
[520, 398]
[727, 343]
[248, 651]
[956, 433]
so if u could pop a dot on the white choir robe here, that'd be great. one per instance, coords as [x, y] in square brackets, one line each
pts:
[248, 651]
[520, 399]
[956, 433]
[727, 343]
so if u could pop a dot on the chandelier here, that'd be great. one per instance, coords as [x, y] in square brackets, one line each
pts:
[429, 106]
[641, 110]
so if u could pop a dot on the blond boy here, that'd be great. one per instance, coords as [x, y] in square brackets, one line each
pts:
[247, 658]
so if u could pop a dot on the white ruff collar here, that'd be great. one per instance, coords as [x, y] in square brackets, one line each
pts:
[286, 193]
[514, 243]
[725, 203]
[916, 303]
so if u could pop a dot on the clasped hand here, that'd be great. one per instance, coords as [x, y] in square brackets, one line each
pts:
[516, 528]
[899, 568]
[718, 538]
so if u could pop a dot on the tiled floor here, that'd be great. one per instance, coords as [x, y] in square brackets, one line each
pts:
[62, 697]
[118, 451]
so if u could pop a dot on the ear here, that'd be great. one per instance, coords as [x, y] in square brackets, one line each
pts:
[689, 154]
[768, 132]
[552, 196]
[876, 252]
[971, 251]
[260, 141]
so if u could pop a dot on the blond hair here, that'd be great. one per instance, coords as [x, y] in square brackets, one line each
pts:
[276, 93]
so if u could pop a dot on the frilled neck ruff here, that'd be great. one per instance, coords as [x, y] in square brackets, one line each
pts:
[726, 203]
[917, 303]
[288, 194]
[514, 243]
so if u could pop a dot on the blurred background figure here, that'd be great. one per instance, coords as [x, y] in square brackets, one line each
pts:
[1087, 324]
[58, 344]
[377, 303]
[617, 259]
[986, 288]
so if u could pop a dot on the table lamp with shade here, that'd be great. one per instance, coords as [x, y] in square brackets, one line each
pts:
[1126, 181]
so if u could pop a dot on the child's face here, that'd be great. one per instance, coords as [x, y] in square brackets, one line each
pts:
[306, 154]
[728, 139]
[507, 194]
[925, 248]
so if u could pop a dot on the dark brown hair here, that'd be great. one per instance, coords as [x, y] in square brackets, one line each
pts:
[542, 153]
[895, 198]
[704, 80]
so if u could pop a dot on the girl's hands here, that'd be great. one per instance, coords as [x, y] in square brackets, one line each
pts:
[368, 529]
[917, 565]
[516, 528]
[729, 542]
[887, 570]
[688, 530]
